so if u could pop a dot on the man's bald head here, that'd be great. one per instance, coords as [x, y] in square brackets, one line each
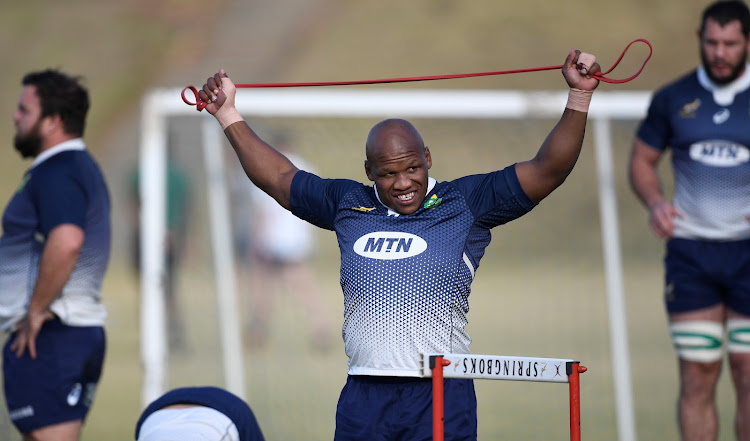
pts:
[398, 163]
[389, 132]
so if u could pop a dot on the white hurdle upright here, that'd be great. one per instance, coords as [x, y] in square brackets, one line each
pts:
[501, 367]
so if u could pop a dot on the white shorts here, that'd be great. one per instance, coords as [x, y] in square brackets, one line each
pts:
[188, 424]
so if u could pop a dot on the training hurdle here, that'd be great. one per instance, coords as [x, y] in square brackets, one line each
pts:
[499, 367]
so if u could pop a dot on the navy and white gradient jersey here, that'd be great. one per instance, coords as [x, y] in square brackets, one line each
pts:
[63, 186]
[406, 279]
[708, 130]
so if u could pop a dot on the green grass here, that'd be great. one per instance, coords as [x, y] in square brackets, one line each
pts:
[540, 289]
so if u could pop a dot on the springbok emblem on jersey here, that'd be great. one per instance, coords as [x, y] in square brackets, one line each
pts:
[363, 209]
[23, 183]
[689, 109]
[432, 202]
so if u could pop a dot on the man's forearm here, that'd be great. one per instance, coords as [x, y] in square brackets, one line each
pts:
[645, 183]
[560, 151]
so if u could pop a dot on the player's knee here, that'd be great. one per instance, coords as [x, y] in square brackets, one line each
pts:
[698, 341]
[738, 336]
[738, 346]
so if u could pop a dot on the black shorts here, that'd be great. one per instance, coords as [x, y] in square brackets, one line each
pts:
[400, 408]
[700, 274]
[59, 385]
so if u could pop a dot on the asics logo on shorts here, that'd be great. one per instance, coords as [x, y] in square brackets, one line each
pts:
[75, 394]
[389, 245]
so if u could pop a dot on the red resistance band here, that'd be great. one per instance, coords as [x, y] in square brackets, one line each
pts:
[200, 104]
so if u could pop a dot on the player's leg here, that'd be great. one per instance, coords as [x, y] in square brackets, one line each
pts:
[738, 329]
[694, 301]
[67, 431]
[697, 338]
[737, 280]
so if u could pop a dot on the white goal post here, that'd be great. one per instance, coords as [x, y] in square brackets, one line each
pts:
[159, 104]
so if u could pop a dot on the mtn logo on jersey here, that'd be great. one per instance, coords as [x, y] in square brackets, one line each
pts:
[719, 153]
[389, 245]
[721, 116]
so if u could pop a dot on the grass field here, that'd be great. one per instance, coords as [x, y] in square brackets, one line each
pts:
[540, 289]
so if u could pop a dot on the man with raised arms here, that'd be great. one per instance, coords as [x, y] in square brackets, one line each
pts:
[410, 247]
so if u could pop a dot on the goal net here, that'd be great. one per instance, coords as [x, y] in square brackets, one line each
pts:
[551, 284]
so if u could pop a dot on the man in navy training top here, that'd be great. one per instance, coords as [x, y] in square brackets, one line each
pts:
[409, 248]
[704, 117]
[53, 256]
[198, 414]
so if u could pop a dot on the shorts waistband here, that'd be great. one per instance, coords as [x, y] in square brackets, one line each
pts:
[388, 379]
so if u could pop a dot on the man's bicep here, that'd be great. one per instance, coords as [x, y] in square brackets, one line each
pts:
[643, 154]
[534, 182]
[282, 188]
[66, 237]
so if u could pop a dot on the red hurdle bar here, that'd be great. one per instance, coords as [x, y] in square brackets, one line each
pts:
[437, 396]
[572, 368]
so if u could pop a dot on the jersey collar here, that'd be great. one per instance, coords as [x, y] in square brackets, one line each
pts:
[430, 185]
[724, 95]
[71, 144]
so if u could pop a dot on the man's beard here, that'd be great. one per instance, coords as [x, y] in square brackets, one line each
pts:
[733, 75]
[30, 144]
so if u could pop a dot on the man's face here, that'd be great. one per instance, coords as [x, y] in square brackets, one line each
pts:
[723, 51]
[27, 119]
[398, 165]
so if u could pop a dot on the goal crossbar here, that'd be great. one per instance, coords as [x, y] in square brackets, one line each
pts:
[411, 103]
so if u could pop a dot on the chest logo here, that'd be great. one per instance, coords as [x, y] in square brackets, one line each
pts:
[389, 245]
[432, 202]
[363, 209]
[719, 153]
[689, 109]
[721, 116]
[23, 183]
